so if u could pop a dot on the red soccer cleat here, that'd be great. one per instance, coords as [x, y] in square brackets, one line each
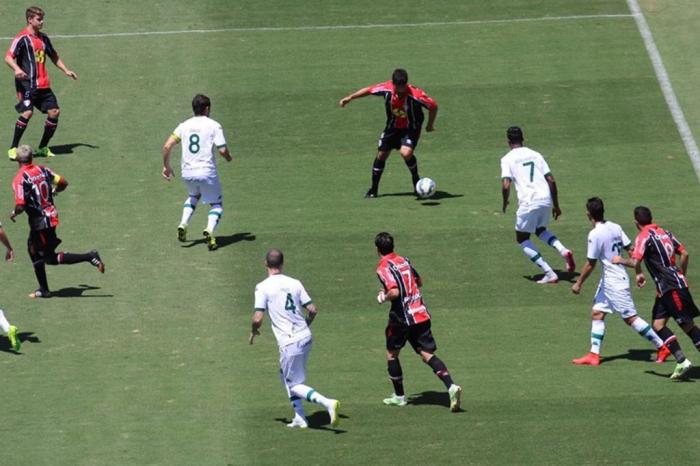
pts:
[662, 354]
[591, 359]
[570, 264]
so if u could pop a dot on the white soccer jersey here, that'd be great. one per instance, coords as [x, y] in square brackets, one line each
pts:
[527, 169]
[283, 297]
[199, 136]
[605, 241]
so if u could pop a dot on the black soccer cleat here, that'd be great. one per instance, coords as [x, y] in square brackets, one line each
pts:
[371, 194]
[97, 261]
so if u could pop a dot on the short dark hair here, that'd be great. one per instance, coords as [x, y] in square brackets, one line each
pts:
[596, 208]
[515, 135]
[642, 215]
[200, 103]
[384, 242]
[33, 11]
[399, 77]
[274, 258]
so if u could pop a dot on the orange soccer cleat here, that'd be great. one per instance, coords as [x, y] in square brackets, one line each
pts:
[662, 354]
[570, 264]
[591, 359]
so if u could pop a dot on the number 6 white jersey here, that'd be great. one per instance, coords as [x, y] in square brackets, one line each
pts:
[527, 169]
[605, 241]
[199, 136]
[283, 298]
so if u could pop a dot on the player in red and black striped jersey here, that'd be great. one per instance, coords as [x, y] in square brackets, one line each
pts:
[27, 58]
[404, 106]
[34, 187]
[409, 320]
[658, 249]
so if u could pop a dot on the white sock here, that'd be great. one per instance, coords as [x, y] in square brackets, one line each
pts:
[645, 330]
[304, 391]
[188, 210]
[597, 335]
[534, 255]
[4, 324]
[549, 238]
[214, 216]
[293, 399]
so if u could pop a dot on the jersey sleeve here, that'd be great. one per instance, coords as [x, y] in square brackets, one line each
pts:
[626, 242]
[386, 278]
[678, 247]
[593, 251]
[304, 297]
[544, 166]
[424, 99]
[49, 48]
[18, 188]
[219, 139]
[177, 132]
[640, 246]
[381, 88]
[260, 299]
[505, 170]
[16, 47]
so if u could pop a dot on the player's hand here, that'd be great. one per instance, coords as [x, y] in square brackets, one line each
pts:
[381, 297]
[168, 173]
[9, 255]
[21, 75]
[71, 74]
[616, 260]
[12, 216]
[505, 206]
[576, 288]
[556, 212]
[430, 128]
[641, 280]
[344, 101]
[253, 334]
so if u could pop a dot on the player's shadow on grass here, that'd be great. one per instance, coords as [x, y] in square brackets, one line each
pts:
[223, 241]
[319, 421]
[429, 202]
[24, 337]
[431, 397]
[68, 148]
[690, 376]
[563, 276]
[77, 292]
[645, 355]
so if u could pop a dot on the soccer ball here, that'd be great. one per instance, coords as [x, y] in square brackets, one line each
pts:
[425, 188]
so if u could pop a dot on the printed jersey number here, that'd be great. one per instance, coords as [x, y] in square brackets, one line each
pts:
[617, 247]
[194, 143]
[40, 56]
[532, 170]
[289, 305]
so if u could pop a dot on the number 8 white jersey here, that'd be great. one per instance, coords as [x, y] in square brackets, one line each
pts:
[199, 136]
[283, 298]
[527, 169]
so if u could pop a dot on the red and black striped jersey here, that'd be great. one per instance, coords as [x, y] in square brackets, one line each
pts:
[403, 112]
[658, 248]
[32, 187]
[395, 271]
[30, 52]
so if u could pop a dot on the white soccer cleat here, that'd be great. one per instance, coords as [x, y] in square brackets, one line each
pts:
[299, 422]
[333, 408]
[395, 400]
[549, 278]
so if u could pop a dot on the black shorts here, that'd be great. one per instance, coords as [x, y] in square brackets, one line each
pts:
[42, 99]
[43, 243]
[419, 336]
[395, 138]
[677, 304]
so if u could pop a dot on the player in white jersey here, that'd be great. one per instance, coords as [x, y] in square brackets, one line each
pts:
[605, 241]
[200, 135]
[9, 329]
[283, 298]
[537, 196]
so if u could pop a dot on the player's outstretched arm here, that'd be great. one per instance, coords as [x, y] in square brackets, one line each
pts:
[356, 95]
[62, 66]
[556, 211]
[432, 115]
[585, 273]
[9, 254]
[255, 325]
[167, 148]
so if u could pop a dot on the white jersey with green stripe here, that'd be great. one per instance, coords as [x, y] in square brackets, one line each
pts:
[283, 298]
[527, 169]
[200, 137]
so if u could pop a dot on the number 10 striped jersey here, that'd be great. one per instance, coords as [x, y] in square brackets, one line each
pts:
[199, 136]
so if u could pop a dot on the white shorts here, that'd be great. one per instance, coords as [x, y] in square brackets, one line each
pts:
[208, 188]
[531, 219]
[609, 301]
[293, 359]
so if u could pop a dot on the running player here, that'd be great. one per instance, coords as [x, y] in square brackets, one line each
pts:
[27, 58]
[409, 320]
[9, 329]
[404, 105]
[606, 240]
[537, 196]
[283, 298]
[658, 248]
[201, 134]
[34, 187]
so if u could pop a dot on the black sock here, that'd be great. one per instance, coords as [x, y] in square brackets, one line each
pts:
[20, 126]
[40, 272]
[669, 340]
[412, 165]
[377, 170]
[71, 258]
[49, 129]
[396, 376]
[694, 335]
[440, 370]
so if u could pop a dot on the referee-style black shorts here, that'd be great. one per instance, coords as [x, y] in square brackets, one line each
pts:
[43, 243]
[677, 304]
[419, 336]
[393, 138]
[42, 99]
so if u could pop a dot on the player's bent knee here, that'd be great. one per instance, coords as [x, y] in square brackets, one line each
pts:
[27, 115]
[54, 113]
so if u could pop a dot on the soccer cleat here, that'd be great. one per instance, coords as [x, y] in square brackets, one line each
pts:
[591, 359]
[97, 261]
[549, 278]
[44, 152]
[298, 421]
[14, 338]
[681, 369]
[333, 409]
[570, 264]
[371, 194]
[12, 153]
[395, 400]
[455, 392]
[182, 233]
[662, 354]
[40, 294]
[210, 240]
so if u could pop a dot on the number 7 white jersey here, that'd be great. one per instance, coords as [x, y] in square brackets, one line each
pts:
[283, 298]
[200, 136]
[527, 169]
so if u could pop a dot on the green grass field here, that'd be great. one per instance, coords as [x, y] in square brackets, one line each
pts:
[149, 363]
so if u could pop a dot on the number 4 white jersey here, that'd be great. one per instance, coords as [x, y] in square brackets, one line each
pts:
[605, 241]
[199, 136]
[527, 169]
[283, 298]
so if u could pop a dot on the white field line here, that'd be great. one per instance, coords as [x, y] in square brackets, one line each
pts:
[333, 27]
[665, 82]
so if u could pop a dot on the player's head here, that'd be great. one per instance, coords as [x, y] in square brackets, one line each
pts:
[25, 154]
[201, 105]
[515, 136]
[399, 78]
[274, 259]
[596, 209]
[384, 242]
[642, 216]
[35, 16]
